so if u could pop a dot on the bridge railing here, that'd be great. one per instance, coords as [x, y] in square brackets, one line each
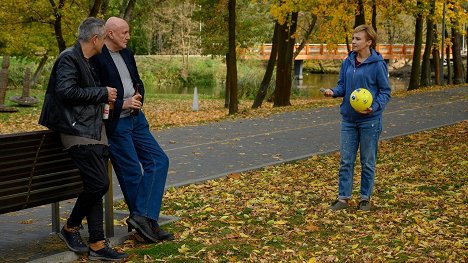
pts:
[340, 51]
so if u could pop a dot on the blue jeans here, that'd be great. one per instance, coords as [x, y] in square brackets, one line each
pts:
[130, 145]
[364, 135]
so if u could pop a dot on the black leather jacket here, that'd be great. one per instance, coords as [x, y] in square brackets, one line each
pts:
[73, 100]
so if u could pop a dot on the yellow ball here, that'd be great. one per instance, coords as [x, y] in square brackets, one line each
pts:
[360, 99]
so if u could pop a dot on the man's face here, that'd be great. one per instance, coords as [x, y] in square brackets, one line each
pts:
[120, 35]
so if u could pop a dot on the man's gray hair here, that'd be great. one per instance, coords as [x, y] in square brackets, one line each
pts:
[89, 27]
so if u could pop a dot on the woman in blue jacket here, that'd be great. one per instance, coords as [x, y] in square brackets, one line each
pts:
[363, 68]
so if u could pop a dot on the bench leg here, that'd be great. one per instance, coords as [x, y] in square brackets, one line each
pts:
[109, 206]
[55, 217]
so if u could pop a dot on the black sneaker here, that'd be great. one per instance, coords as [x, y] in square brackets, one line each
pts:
[106, 253]
[73, 240]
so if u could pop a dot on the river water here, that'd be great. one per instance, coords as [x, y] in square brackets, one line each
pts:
[309, 86]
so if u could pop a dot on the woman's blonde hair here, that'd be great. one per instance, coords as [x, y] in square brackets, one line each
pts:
[370, 32]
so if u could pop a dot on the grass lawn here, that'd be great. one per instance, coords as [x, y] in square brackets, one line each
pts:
[281, 213]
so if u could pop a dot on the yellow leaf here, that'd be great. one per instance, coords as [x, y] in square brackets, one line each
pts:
[355, 246]
[184, 249]
[208, 209]
[281, 222]
[147, 258]
[184, 235]
[312, 260]
[243, 235]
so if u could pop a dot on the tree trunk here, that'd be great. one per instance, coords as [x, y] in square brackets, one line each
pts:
[26, 83]
[306, 37]
[374, 15]
[39, 69]
[449, 65]
[104, 7]
[262, 92]
[466, 77]
[4, 79]
[436, 56]
[284, 63]
[58, 24]
[227, 86]
[359, 18]
[232, 62]
[346, 38]
[94, 11]
[416, 65]
[123, 6]
[286, 100]
[426, 64]
[457, 58]
[280, 64]
[128, 11]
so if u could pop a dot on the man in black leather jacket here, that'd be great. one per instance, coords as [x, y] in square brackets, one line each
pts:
[73, 106]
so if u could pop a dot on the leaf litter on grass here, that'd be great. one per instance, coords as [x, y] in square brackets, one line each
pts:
[281, 213]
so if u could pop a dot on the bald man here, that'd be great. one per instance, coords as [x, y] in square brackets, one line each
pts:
[131, 143]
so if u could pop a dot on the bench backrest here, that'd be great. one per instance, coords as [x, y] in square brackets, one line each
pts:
[35, 170]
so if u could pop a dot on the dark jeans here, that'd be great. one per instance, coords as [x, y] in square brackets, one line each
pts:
[91, 161]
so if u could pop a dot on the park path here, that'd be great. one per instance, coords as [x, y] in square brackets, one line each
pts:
[208, 151]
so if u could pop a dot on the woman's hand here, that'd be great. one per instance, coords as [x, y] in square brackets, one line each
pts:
[327, 92]
[366, 112]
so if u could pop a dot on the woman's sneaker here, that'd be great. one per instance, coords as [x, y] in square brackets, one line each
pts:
[364, 205]
[73, 240]
[338, 205]
[106, 253]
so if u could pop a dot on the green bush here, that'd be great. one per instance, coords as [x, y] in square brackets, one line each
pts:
[162, 75]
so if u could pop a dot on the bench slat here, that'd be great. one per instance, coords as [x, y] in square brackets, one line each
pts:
[35, 170]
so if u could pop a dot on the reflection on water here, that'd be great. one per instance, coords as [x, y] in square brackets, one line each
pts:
[310, 85]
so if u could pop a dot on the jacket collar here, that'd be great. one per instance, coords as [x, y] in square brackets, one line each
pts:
[374, 57]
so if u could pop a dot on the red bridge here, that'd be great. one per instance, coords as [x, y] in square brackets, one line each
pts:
[333, 51]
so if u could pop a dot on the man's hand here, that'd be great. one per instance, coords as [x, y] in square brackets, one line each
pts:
[111, 94]
[133, 102]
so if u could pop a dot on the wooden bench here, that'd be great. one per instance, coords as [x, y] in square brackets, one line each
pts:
[35, 171]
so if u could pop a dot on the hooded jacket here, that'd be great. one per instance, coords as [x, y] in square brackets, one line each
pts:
[73, 100]
[372, 74]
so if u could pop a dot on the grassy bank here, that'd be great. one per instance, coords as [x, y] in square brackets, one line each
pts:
[281, 213]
